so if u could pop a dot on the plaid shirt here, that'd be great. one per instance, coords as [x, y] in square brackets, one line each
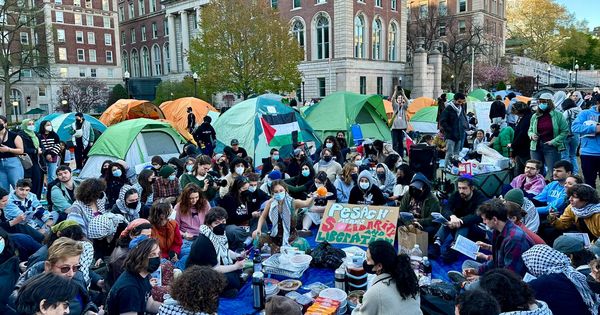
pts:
[164, 188]
[507, 247]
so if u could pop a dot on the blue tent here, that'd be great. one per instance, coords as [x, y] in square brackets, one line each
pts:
[503, 93]
[61, 123]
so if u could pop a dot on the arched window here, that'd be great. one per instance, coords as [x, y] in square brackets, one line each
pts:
[376, 39]
[167, 58]
[392, 42]
[359, 37]
[145, 62]
[322, 37]
[135, 63]
[125, 58]
[298, 31]
[156, 60]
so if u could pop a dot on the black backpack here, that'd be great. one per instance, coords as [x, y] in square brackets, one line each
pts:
[327, 256]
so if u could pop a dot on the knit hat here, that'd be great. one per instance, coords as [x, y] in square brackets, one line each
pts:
[166, 171]
[278, 304]
[63, 225]
[515, 195]
[568, 244]
[275, 175]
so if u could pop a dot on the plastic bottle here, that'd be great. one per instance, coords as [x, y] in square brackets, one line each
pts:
[257, 261]
[425, 279]
[265, 251]
[416, 257]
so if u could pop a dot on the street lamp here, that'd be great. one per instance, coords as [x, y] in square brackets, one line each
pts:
[126, 80]
[576, 71]
[570, 74]
[195, 77]
[303, 99]
[15, 105]
[453, 83]
[549, 74]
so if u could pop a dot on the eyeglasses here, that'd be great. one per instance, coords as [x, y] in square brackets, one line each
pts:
[65, 269]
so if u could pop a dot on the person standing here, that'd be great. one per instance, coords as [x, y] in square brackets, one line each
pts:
[399, 124]
[31, 146]
[521, 142]
[497, 111]
[570, 112]
[83, 138]
[206, 135]
[11, 146]
[586, 125]
[452, 127]
[50, 144]
[191, 120]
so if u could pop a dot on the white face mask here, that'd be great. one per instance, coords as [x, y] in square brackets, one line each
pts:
[318, 185]
[364, 185]
[48, 128]
[252, 189]
[239, 170]
[31, 127]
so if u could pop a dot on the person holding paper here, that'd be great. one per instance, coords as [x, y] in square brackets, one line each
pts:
[581, 215]
[460, 211]
[421, 202]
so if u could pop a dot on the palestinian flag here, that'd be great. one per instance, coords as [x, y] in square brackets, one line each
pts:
[280, 129]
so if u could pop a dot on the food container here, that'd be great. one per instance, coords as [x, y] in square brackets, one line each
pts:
[355, 298]
[356, 279]
[289, 285]
[300, 261]
[271, 287]
[316, 288]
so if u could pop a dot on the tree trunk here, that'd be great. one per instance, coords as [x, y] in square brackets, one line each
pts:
[7, 101]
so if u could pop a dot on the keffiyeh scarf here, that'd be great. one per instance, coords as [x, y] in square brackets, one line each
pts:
[587, 211]
[219, 243]
[286, 217]
[543, 259]
[104, 225]
[130, 214]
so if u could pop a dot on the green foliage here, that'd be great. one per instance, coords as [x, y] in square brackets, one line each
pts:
[244, 48]
[526, 85]
[118, 92]
[579, 46]
[172, 90]
[501, 86]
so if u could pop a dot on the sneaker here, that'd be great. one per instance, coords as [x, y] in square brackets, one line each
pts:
[305, 233]
[434, 251]
[456, 277]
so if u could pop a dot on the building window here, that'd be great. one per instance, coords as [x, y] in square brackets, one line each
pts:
[501, 8]
[143, 31]
[392, 40]
[106, 21]
[322, 87]
[88, 4]
[152, 5]
[62, 53]
[89, 20]
[442, 28]
[58, 1]
[377, 39]
[80, 55]
[79, 37]
[93, 73]
[154, 30]
[27, 73]
[108, 39]
[296, 4]
[322, 29]
[494, 7]
[63, 72]
[59, 17]
[378, 3]
[462, 6]
[60, 36]
[167, 58]
[443, 8]
[24, 38]
[380, 85]
[394, 5]
[320, 1]
[131, 10]
[274, 4]
[125, 62]
[298, 31]
[121, 13]
[82, 72]
[135, 64]
[105, 5]
[462, 27]
[362, 85]
[92, 55]
[141, 7]
[423, 10]
[123, 38]
[77, 3]
[145, 62]
[156, 60]
[41, 91]
[109, 56]
[359, 37]
[132, 35]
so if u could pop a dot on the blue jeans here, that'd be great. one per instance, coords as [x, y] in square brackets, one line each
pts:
[11, 170]
[570, 152]
[51, 171]
[548, 155]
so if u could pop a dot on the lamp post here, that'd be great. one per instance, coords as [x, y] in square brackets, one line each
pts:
[195, 77]
[453, 83]
[570, 74]
[303, 99]
[549, 74]
[126, 80]
[576, 72]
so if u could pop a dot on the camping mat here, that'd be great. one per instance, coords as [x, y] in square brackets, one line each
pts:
[242, 304]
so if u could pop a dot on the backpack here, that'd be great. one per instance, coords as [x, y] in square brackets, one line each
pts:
[49, 192]
[327, 256]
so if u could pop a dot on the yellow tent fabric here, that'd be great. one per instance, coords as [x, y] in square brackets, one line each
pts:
[419, 103]
[125, 109]
[176, 112]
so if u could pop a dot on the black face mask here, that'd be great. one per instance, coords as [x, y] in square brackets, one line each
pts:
[381, 176]
[368, 268]
[246, 194]
[326, 158]
[354, 177]
[131, 205]
[415, 192]
[219, 229]
[153, 264]
[1, 127]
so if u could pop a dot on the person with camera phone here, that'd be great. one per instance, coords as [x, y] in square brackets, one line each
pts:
[400, 122]
[203, 177]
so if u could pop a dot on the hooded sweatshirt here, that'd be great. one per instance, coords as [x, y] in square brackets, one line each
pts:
[425, 205]
[585, 126]
[558, 98]
[370, 196]
[120, 206]
[387, 182]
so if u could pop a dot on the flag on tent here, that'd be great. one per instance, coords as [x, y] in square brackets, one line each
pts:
[280, 129]
[409, 142]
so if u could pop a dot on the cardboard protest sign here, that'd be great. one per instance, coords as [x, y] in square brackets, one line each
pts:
[357, 224]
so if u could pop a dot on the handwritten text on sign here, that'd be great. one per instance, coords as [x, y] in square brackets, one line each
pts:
[357, 224]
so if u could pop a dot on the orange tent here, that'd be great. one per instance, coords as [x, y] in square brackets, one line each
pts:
[125, 109]
[389, 110]
[176, 112]
[520, 98]
[419, 103]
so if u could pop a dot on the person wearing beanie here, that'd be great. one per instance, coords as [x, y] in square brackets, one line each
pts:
[532, 218]
[167, 184]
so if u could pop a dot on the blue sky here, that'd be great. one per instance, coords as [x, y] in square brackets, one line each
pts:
[584, 9]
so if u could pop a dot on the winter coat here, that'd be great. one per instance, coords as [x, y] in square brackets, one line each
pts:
[560, 130]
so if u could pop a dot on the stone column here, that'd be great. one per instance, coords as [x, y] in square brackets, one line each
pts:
[419, 72]
[435, 59]
[172, 43]
[185, 39]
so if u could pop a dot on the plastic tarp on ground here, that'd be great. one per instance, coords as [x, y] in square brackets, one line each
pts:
[242, 122]
[425, 120]
[125, 109]
[176, 112]
[61, 124]
[135, 141]
[339, 111]
[418, 103]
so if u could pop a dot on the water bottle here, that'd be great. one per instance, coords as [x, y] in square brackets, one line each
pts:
[257, 261]
[258, 290]
[265, 251]
[340, 278]
[416, 257]
[425, 279]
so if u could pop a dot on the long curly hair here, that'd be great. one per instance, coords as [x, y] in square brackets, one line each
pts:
[184, 199]
[144, 181]
[398, 266]
[198, 289]
[509, 290]
[90, 190]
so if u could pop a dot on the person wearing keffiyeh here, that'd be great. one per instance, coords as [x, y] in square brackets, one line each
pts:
[558, 282]
[583, 212]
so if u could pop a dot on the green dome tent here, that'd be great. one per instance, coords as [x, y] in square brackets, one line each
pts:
[479, 94]
[340, 110]
[263, 123]
[425, 120]
[135, 141]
